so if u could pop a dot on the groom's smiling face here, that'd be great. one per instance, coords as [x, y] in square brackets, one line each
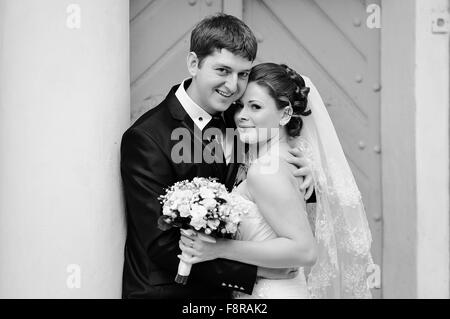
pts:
[219, 80]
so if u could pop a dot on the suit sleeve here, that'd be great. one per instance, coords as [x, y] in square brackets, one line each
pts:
[146, 171]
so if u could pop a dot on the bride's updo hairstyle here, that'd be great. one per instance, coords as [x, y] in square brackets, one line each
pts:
[286, 87]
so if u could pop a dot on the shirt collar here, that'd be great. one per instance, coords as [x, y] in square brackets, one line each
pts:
[195, 112]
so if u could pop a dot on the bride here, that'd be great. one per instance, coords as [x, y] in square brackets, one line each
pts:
[275, 113]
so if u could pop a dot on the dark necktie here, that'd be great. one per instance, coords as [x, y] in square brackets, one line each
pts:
[216, 126]
[217, 122]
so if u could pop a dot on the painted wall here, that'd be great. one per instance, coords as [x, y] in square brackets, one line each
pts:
[64, 104]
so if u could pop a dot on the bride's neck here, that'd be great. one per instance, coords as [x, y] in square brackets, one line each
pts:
[269, 147]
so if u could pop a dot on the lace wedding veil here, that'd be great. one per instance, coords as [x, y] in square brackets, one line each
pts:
[340, 224]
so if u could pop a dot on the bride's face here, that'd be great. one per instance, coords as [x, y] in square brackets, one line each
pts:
[257, 117]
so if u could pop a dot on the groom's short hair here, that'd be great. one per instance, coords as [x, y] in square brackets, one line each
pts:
[223, 31]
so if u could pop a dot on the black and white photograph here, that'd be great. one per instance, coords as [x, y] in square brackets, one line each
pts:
[224, 151]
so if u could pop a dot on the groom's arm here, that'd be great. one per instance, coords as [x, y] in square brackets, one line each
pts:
[146, 171]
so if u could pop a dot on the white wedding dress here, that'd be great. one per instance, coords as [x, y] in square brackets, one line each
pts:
[253, 227]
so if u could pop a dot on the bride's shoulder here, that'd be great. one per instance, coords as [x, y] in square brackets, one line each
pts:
[273, 167]
[271, 179]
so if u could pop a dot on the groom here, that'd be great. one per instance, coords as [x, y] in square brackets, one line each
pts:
[222, 51]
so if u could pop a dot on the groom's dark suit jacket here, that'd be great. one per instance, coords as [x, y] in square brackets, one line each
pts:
[148, 168]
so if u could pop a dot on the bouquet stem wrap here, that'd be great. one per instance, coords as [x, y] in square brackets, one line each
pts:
[184, 269]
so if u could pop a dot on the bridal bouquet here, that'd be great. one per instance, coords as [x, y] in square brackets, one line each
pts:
[202, 204]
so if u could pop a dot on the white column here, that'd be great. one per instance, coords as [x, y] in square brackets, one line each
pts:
[432, 151]
[64, 104]
[415, 137]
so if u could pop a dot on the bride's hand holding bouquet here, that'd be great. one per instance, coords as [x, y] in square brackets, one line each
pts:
[201, 207]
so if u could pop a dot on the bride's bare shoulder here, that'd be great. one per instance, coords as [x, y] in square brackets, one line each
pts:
[271, 168]
[272, 182]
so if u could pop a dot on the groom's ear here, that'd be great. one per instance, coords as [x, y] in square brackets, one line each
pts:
[192, 63]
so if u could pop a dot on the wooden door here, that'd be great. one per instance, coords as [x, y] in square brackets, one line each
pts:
[327, 40]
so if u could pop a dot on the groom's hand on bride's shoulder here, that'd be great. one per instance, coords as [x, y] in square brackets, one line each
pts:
[303, 171]
[277, 273]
